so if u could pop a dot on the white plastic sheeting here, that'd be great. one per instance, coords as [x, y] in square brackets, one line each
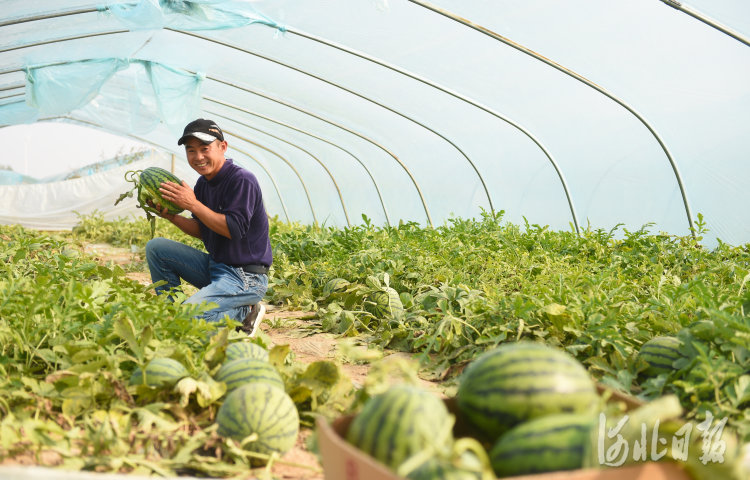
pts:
[59, 205]
[588, 112]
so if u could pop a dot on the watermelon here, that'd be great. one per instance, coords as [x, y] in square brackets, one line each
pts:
[544, 444]
[703, 329]
[147, 183]
[435, 468]
[659, 354]
[400, 422]
[148, 188]
[516, 382]
[236, 373]
[263, 409]
[161, 372]
[335, 285]
[384, 303]
[246, 350]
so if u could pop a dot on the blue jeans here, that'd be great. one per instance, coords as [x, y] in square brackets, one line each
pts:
[231, 288]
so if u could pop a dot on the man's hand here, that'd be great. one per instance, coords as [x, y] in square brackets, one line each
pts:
[179, 194]
[161, 211]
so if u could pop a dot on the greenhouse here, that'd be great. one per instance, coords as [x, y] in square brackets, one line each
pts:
[448, 185]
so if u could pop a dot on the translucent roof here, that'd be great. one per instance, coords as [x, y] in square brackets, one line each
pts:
[568, 114]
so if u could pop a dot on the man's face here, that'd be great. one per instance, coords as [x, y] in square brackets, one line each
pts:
[207, 160]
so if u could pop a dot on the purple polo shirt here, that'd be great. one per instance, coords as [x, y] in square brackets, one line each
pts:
[235, 192]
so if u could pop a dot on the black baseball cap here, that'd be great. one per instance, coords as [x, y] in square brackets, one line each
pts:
[204, 130]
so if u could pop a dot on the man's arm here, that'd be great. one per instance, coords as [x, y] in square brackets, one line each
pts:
[184, 197]
[187, 225]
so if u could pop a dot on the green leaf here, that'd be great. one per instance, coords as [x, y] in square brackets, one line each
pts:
[125, 329]
[216, 347]
[742, 390]
[278, 354]
[76, 400]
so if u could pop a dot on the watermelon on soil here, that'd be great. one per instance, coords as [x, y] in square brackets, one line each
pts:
[335, 285]
[263, 409]
[384, 303]
[160, 372]
[660, 353]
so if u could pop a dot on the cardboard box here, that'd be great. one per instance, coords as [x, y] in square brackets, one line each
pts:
[342, 461]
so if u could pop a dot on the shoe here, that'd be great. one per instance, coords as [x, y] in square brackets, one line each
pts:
[253, 319]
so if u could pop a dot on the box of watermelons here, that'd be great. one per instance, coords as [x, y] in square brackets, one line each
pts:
[524, 411]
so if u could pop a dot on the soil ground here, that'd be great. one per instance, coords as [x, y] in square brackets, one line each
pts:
[283, 327]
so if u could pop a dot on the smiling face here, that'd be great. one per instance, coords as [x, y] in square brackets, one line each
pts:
[206, 159]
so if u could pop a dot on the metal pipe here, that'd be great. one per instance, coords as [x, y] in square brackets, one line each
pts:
[12, 96]
[707, 20]
[304, 132]
[63, 39]
[341, 198]
[578, 77]
[34, 18]
[12, 87]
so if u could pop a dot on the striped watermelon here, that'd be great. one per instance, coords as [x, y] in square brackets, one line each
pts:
[659, 354]
[436, 468]
[703, 329]
[263, 409]
[335, 285]
[246, 350]
[384, 303]
[545, 444]
[161, 372]
[516, 382]
[236, 373]
[148, 188]
[404, 420]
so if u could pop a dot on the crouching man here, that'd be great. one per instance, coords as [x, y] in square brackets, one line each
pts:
[228, 215]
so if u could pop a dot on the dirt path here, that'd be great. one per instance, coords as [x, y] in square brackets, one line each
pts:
[308, 345]
[307, 349]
